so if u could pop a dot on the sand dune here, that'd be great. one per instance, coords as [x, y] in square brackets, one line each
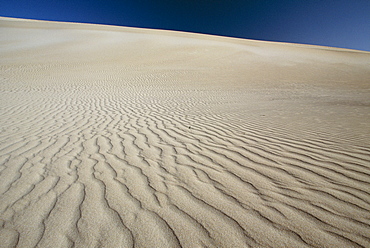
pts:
[124, 137]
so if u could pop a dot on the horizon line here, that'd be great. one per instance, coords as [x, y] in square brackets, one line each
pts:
[318, 45]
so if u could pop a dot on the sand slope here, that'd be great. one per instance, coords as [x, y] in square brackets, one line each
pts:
[123, 137]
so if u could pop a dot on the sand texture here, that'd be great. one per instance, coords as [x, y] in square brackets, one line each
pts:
[124, 137]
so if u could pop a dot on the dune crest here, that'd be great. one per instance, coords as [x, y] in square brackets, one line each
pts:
[125, 137]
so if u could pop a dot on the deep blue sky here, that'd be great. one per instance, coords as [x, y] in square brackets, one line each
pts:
[338, 23]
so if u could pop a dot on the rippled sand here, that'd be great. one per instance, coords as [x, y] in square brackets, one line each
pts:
[123, 137]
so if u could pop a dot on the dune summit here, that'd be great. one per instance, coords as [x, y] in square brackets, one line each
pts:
[125, 137]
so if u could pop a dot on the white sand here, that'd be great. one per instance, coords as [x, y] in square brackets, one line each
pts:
[123, 137]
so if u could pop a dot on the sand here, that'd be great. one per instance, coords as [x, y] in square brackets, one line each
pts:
[126, 137]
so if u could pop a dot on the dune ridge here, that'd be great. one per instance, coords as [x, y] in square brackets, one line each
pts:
[124, 137]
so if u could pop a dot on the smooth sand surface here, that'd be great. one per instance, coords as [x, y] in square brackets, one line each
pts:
[123, 137]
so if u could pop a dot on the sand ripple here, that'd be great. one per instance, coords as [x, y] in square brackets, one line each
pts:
[136, 139]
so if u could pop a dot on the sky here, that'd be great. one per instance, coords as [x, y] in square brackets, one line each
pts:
[336, 23]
